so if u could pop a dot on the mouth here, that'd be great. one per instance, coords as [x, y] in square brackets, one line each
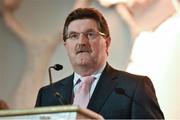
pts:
[82, 51]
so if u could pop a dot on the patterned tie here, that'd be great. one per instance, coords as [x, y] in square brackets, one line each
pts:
[82, 94]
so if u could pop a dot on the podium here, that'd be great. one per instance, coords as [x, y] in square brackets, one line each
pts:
[49, 113]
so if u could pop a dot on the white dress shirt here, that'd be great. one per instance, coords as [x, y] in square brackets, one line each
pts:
[96, 75]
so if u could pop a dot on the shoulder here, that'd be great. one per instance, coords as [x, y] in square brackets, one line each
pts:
[135, 79]
[130, 81]
[123, 75]
[46, 95]
[59, 83]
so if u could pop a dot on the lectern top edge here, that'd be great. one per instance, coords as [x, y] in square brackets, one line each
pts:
[50, 109]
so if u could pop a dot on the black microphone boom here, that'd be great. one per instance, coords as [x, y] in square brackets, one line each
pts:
[60, 98]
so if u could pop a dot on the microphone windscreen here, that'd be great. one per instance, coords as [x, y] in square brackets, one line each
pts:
[58, 67]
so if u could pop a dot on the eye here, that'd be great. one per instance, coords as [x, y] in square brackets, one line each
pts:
[91, 34]
[73, 36]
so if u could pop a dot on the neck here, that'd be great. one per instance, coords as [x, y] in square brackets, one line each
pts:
[88, 70]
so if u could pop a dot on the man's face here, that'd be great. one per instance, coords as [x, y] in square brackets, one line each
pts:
[89, 49]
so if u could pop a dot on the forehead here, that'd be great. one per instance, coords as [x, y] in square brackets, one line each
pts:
[81, 25]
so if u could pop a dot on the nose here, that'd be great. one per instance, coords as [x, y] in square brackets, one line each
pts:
[83, 39]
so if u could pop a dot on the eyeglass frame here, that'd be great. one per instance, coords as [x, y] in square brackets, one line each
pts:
[85, 34]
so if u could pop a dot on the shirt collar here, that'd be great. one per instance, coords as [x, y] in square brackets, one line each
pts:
[96, 74]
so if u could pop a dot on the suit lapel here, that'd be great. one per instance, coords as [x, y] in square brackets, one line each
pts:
[104, 87]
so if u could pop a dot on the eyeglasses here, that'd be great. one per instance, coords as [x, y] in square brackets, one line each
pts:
[90, 35]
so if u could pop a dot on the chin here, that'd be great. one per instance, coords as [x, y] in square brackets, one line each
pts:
[84, 62]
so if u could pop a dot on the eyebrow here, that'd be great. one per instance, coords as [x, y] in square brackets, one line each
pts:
[88, 30]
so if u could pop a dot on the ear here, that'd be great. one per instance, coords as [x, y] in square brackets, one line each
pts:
[108, 42]
[65, 44]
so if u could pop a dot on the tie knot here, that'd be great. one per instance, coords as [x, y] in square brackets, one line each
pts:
[88, 80]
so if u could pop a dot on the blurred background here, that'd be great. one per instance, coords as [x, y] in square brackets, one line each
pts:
[145, 40]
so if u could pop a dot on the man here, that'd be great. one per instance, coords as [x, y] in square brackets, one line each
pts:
[113, 94]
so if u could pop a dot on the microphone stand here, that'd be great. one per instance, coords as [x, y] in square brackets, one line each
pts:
[56, 94]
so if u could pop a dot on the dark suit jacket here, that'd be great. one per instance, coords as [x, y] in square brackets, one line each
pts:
[118, 94]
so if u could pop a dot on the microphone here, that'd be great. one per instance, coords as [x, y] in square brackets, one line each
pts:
[57, 67]
[121, 91]
[60, 98]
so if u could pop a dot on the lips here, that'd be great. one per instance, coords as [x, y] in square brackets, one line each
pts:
[82, 51]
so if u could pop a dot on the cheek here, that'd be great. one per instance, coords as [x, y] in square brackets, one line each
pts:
[70, 49]
[99, 48]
